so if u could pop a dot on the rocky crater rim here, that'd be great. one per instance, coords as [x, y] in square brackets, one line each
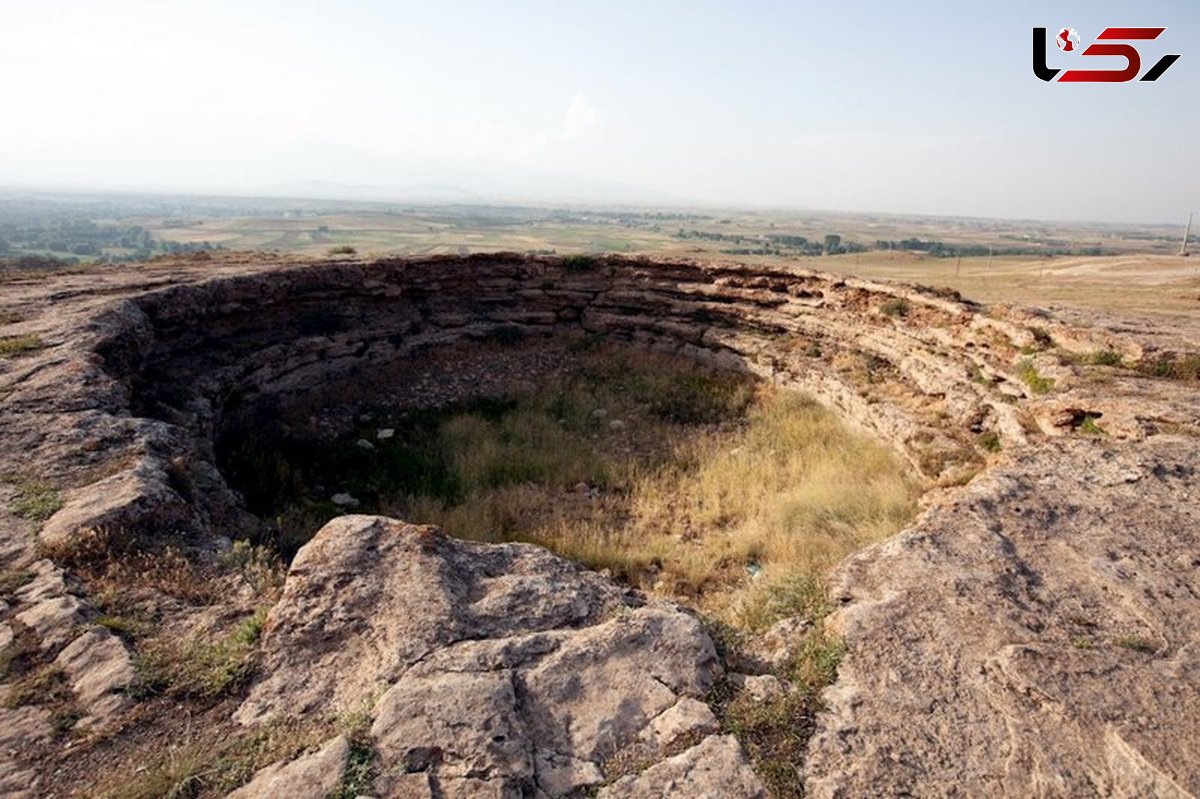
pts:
[128, 385]
[929, 373]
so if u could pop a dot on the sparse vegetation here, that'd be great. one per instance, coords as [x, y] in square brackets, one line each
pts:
[1174, 367]
[676, 479]
[896, 306]
[1102, 358]
[1137, 643]
[989, 441]
[215, 765]
[1030, 377]
[198, 667]
[1041, 337]
[12, 580]
[43, 686]
[13, 346]
[1089, 427]
[775, 730]
[343, 249]
[579, 263]
[36, 500]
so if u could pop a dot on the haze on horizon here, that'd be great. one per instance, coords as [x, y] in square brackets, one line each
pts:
[854, 106]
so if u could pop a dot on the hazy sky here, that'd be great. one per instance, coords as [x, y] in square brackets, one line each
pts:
[835, 105]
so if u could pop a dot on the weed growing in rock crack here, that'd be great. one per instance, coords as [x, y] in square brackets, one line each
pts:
[1174, 367]
[1030, 377]
[12, 580]
[200, 668]
[214, 766]
[36, 500]
[1137, 643]
[360, 771]
[1089, 427]
[1102, 358]
[259, 567]
[13, 346]
[989, 441]
[775, 730]
[43, 686]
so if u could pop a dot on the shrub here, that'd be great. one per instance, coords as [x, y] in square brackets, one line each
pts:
[896, 306]
[1103, 358]
[342, 249]
[1175, 367]
[1041, 337]
[506, 335]
[580, 263]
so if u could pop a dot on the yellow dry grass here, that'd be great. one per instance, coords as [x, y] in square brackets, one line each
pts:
[717, 514]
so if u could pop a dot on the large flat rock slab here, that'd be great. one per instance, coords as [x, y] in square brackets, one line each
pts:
[1036, 636]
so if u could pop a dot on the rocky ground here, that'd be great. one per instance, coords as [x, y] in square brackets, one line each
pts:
[1031, 634]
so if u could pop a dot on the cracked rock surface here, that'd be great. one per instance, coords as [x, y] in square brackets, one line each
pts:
[499, 669]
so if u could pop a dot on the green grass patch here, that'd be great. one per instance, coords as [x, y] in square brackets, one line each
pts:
[676, 478]
[1102, 358]
[36, 500]
[1028, 374]
[1174, 367]
[989, 441]
[1089, 427]
[1137, 643]
[201, 668]
[13, 346]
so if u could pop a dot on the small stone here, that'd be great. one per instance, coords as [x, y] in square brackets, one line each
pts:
[362, 443]
[686, 717]
[715, 767]
[582, 488]
[54, 620]
[48, 581]
[616, 424]
[599, 413]
[760, 687]
[100, 671]
[383, 434]
[313, 776]
[344, 500]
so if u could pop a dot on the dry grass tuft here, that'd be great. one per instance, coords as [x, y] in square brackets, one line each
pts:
[13, 346]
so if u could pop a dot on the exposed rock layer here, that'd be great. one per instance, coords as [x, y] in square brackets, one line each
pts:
[1030, 634]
